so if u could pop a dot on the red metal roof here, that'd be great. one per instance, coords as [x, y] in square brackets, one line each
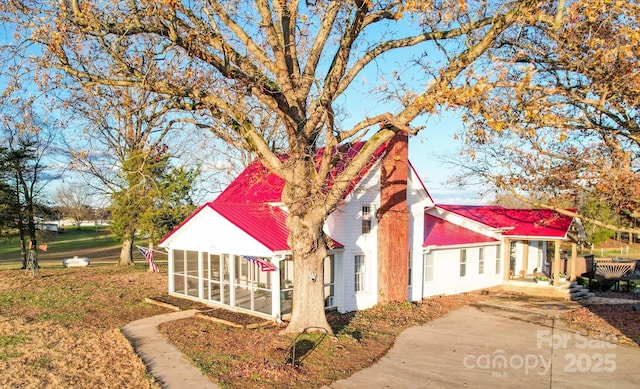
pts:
[265, 223]
[245, 202]
[439, 232]
[516, 222]
[256, 184]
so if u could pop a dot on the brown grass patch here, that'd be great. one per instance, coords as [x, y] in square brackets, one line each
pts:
[618, 321]
[62, 329]
[263, 358]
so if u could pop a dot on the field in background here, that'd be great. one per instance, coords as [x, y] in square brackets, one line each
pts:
[616, 249]
[95, 242]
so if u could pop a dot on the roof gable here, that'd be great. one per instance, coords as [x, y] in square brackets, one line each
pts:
[412, 171]
[255, 220]
[264, 223]
[516, 222]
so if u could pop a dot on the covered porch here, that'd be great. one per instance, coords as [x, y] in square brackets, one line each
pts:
[259, 285]
[527, 258]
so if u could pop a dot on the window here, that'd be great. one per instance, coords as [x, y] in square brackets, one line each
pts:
[366, 219]
[410, 269]
[498, 261]
[463, 262]
[328, 281]
[481, 260]
[428, 267]
[359, 273]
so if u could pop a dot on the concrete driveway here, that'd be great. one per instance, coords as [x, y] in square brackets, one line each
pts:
[502, 343]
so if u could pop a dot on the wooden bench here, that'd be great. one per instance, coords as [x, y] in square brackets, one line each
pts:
[614, 271]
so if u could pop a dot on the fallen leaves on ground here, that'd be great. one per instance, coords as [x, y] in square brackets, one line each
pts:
[610, 321]
[62, 329]
[263, 358]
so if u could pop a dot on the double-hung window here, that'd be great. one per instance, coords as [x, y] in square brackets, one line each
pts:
[463, 262]
[366, 219]
[428, 267]
[359, 271]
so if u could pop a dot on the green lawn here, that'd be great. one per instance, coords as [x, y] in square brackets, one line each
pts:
[95, 242]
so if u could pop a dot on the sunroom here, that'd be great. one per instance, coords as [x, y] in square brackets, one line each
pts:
[237, 256]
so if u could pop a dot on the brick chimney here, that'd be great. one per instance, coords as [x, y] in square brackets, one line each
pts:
[393, 222]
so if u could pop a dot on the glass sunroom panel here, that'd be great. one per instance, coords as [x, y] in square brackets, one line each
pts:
[192, 278]
[179, 270]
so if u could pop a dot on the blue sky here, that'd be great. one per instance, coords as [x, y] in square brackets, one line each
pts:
[425, 149]
[435, 140]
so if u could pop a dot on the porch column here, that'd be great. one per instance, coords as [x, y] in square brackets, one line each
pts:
[506, 258]
[171, 271]
[556, 262]
[572, 264]
[232, 279]
[201, 280]
[276, 312]
[525, 258]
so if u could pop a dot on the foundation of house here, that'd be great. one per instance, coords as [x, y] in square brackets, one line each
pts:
[531, 288]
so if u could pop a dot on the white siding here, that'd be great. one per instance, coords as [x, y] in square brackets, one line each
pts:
[418, 200]
[535, 257]
[447, 278]
[366, 193]
[344, 225]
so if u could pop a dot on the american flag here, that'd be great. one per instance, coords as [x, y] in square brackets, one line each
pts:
[148, 254]
[263, 264]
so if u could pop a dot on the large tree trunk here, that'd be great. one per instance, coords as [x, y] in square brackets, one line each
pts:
[308, 247]
[307, 242]
[23, 242]
[126, 252]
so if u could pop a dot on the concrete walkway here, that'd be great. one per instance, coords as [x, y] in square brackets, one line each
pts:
[500, 343]
[165, 363]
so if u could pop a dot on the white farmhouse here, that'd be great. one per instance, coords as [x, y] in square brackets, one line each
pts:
[390, 242]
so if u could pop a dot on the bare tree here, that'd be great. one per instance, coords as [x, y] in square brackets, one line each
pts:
[120, 141]
[296, 61]
[74, 201]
